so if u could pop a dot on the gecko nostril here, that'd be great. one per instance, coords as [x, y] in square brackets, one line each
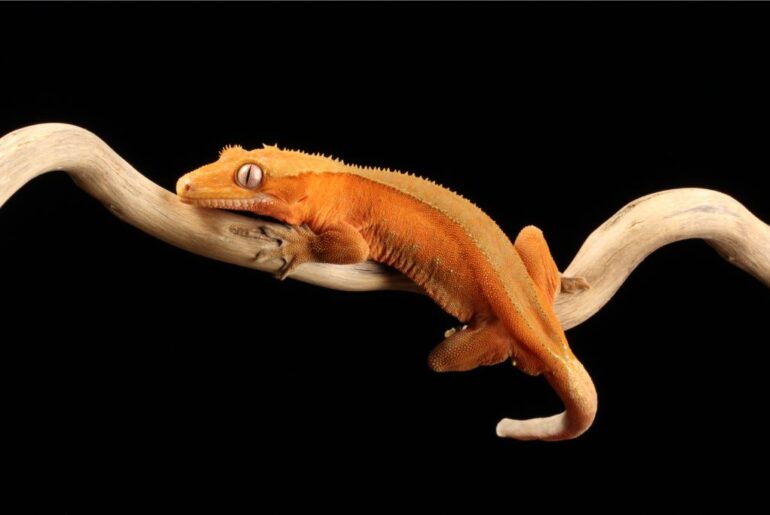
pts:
[184, 187]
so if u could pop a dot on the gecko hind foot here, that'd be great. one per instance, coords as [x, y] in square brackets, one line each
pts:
[467, 349]
[574, 284]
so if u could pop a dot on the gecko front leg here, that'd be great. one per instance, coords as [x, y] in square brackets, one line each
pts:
[340, 244]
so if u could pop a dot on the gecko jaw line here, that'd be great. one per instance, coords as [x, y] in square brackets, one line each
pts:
[240, 204]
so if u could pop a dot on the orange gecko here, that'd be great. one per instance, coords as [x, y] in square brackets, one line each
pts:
[503, 293]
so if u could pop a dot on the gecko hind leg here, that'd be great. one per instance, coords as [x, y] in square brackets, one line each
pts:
[468, 348]
[534, 252]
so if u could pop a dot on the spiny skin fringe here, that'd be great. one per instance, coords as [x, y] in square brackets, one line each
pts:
[360, 168]
[229, 147]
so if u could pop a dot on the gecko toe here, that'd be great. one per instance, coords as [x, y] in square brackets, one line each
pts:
[452, 330]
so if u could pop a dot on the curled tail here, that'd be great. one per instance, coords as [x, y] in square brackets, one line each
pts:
[552, 356]
[576, 390]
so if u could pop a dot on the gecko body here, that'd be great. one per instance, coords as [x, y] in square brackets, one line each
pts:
[502, 292]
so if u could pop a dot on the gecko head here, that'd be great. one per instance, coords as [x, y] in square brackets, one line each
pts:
[237, 180]
[250, 180]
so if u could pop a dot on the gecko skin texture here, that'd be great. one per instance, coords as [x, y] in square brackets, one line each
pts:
[502, 292]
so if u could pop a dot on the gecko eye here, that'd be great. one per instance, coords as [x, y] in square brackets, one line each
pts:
[249, 176]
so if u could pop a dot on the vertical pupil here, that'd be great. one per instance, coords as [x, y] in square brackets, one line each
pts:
[246, 173]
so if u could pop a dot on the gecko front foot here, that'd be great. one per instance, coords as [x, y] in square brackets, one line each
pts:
[292, 247]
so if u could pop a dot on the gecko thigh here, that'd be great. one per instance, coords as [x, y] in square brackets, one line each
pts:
[533, 250]
[486, 344]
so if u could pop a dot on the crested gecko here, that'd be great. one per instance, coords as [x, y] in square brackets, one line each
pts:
[501, 292]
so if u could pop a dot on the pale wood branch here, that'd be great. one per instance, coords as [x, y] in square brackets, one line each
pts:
[615, 249]
[606, 259]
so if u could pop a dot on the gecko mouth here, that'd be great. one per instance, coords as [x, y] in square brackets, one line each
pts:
[236, 204]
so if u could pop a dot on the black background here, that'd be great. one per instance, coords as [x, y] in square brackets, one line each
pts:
[137, 366]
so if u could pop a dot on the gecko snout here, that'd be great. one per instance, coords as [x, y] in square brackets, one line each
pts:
[183, 187]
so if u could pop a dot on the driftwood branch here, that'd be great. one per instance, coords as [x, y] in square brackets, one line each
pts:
[606, 258]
